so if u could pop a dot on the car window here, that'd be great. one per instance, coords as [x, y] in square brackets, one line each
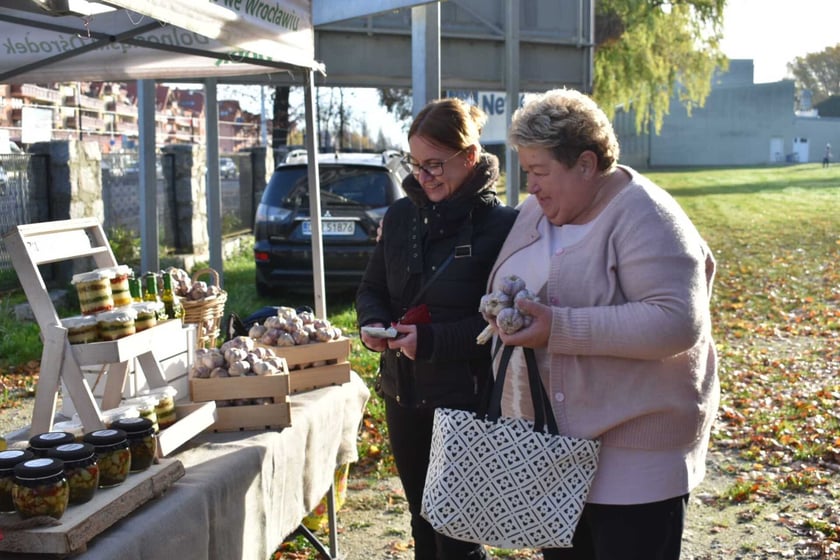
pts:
[340, 185]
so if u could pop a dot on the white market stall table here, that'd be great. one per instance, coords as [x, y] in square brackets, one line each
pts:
[243, 492]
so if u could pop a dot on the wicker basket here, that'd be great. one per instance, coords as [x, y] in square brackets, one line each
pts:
[206, 313]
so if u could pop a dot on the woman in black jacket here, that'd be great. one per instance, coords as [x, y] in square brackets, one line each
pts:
[426, 277]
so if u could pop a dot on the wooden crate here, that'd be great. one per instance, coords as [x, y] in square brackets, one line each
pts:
[316, 365]
[82, 522]
[274, 415]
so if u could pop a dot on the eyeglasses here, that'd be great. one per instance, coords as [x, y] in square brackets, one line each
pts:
[433, 168]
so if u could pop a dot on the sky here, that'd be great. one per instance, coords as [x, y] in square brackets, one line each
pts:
[775, 32]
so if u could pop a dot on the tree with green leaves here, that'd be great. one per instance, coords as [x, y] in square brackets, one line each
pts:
[818, 72]
[648, 50]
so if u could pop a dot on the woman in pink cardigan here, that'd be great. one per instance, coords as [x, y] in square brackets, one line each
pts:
[622, 329]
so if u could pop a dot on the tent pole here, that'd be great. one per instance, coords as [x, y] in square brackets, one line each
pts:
[318, 288]
[214, 191]
[149, 260]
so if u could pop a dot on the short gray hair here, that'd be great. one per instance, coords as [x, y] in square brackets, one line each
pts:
[567, 123]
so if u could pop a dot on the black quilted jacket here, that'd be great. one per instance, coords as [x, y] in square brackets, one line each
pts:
[417, 237]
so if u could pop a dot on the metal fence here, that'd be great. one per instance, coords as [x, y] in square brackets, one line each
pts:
[24, 195]
[16, 205]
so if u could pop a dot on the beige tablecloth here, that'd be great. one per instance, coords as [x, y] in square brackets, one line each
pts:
[244, 492]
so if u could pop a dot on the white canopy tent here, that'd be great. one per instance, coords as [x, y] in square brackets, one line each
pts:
[71, 40]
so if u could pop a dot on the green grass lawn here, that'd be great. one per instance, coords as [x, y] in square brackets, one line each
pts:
[775, 232]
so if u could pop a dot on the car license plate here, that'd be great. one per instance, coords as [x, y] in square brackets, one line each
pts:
[331, 227]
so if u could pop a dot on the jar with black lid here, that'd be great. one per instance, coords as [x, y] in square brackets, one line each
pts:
[41, 443]
[40, 488]
[141, 440]
[8, 460]
[80, 469]
[112, 455]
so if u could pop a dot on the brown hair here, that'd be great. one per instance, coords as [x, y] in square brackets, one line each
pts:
[450, 123]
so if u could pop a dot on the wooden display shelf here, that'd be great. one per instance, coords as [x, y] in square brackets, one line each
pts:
[33, 245]
[273, 415]
[193, 418]
[82, 522]
[126, 348]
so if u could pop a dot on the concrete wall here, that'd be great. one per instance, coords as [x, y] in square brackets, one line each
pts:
[735, 127]
[741, 123]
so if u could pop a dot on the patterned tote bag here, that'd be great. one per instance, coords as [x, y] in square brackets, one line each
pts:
[507, 482]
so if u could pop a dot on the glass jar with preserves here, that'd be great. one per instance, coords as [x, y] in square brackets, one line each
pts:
[8, 460]
[115, 324]
[146, 405]
[141, 441]
[81, 329]
[119, 283]
[41, 443]
[146, 315]
[73, 426]
[112, 455]
[165, 408]
[123, 411]
[80, 469]
[40, 488]
[94, 291]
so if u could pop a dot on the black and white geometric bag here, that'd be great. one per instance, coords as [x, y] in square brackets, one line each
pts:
[507, 482]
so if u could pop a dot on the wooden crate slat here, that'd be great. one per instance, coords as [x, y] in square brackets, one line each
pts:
[253, 417]
[307, 379]
[304, 354]
[243, 387]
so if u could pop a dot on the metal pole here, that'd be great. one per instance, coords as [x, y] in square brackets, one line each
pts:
[318, 287]
[511, 97]
[214, 190]
[148, 181]
[425, 55]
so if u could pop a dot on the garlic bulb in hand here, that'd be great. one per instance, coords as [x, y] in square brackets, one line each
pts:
[501, 308]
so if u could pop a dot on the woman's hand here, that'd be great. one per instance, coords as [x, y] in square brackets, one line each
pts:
[375, 344]
[535, 336]
[406, 341]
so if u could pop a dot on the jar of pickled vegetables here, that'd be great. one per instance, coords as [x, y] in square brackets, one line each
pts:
[115, 324]
[73, 426]
[123, 411]
[165, 408]
[94, 291]
[41, 443]
[146, 405]
[80, 469]
[8, 460]
[141, 441]
[40, 488]
[119, 283]
[112, 455]
[81, 329]
[147, 312]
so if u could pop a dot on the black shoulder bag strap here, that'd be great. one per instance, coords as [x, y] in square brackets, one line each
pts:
[543, 413]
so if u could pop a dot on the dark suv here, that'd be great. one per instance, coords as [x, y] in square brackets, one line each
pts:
[356, 190]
